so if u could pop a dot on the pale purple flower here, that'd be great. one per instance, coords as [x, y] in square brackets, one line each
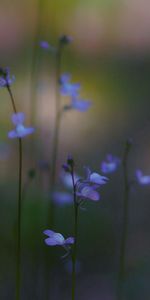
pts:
[20, 130]
[87, 192]
[95, 178]
[80, 104]
[57, 239]
[5, 78]
[62, 198]
[46, 46]
[142, 179]
[110, 165]
[67, 88]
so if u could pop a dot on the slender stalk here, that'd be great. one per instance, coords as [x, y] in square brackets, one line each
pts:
[18, 277]
[57, 117]
[55, 143]
[122, 262]
[74, 254]
[18, 251]
[12, 98]
[34, 60]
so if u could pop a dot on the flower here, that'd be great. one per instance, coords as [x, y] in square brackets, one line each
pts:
[67, 88]
[110, 165]
[5, 79]
[20, 130]
[62, 198]
[66, 179]
[142, 179]
[46, 46]
[86, 189]
[86, 192]
[57, 239]
[94, 177]
[79, 104]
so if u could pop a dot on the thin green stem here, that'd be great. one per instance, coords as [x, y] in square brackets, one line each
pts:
[18, 277]
[74, 254]
[122, 261]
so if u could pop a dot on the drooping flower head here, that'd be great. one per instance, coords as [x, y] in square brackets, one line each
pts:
[142, 179]
[5, 78]
[110, 165]
[20, 130]
[66, 87]
[57, 239]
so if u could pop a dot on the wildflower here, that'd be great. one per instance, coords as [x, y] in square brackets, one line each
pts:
[67, 88]
[110, 165]
[46, 46]
[79, 104]
[67, 180]
[57, 239]
[62, 198]
[20, 130]
[5, 78]
[87, 192]
[95, 178]
[142, 179]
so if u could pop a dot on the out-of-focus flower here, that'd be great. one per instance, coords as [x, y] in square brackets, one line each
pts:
[67, 88]
[67, 179]
[62, 198]
[65, 39]
[46, 46]
[110, 165]
[142, 179]
[57, 239]
[79, 104]
[5, 78]
[20, 130]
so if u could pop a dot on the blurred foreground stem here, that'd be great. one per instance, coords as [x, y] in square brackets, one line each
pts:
[121, 274]
[74, 254]
[18, 252]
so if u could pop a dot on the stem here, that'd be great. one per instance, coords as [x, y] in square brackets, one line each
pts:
[55, 137]
[12, 98]
[18, 251]
[57, 118]
[19, 223]
[121, 274]
[74, 255]
[35, 59]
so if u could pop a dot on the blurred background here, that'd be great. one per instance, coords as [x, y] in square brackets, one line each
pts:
[110, 57]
